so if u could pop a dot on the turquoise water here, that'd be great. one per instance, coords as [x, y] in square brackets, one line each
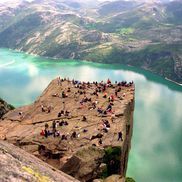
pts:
[156, 154]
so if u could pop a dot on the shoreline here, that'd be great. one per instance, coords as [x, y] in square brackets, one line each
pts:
[173, 81]
[56, 59]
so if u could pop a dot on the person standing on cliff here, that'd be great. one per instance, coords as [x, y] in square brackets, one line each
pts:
[120, 136]
[54, 128]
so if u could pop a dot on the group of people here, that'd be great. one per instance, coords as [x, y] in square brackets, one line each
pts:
[96, 88]
[46, 109]
[56, 133]
[53, 131]
[64, 113]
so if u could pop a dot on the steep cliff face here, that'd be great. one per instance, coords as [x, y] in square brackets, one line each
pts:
[17, 165]
[4, 107]
[128, 114]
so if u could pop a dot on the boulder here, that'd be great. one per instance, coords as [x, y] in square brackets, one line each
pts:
[115, 178]
[4, 107]
[84, 164]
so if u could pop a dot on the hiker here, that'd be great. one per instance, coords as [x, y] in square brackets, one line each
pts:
[45, 133]
[120, 136]
[54, 128]
[59, 80]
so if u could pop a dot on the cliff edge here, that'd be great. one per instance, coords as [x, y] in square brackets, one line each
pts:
[81, 128]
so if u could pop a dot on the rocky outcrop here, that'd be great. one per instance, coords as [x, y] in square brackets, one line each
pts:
[113, 178]
[4, 107]
[17, 165]
[95, 145]
[84, 164]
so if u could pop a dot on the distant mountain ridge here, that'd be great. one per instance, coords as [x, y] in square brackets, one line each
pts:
[138, 33]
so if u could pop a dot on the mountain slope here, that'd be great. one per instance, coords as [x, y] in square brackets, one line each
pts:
[147, 35]
[4, 107]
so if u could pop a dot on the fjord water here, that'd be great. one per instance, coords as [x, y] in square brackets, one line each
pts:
[156, 154]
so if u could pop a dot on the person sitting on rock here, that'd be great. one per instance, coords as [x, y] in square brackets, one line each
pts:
[105, 95]
[108, 81]
[106, 123]
[61, 123]
[67, 113]
[42, 133]
[99, 110]
[100, 141]
[112, 98]
[43, 109]
[46, 126]
[55, 95]
[61, 113]
[73, 135]
[64, 95]
[64, 137]
[85, 130]
[49, 109]
[109, 108]
[99, 135]
[93, 106]
[84, 118]
[57, 133]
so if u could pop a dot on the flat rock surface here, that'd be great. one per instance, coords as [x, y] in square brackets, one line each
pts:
[23, 125]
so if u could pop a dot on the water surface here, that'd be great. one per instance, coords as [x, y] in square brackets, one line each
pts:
[156, 154]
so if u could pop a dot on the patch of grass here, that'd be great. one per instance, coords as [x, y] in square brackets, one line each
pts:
[125, 31]
[112, 159]
[128, 179]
